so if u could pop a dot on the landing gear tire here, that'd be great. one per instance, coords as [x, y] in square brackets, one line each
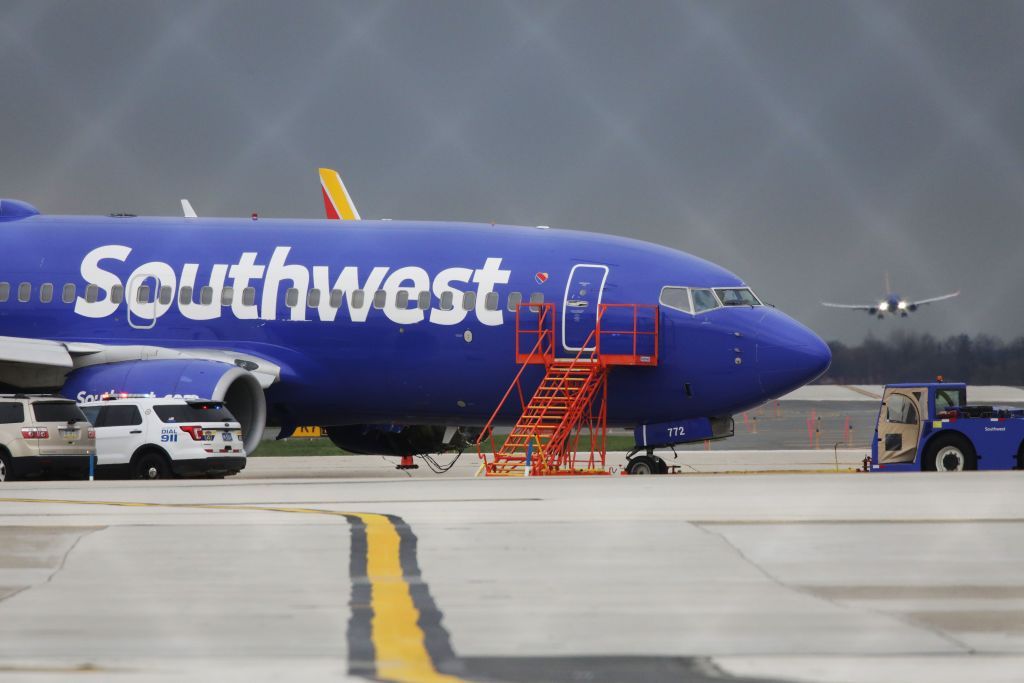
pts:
[646, 464]
[150, 466]
[951, 454]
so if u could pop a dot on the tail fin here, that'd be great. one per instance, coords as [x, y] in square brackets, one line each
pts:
[888, 287]
[338, 204]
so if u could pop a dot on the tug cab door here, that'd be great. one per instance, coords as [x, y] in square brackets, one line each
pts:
[899, 424]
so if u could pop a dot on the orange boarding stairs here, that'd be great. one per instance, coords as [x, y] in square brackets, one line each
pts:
[571, 400]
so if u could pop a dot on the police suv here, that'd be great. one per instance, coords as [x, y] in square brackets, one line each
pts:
[147, 437]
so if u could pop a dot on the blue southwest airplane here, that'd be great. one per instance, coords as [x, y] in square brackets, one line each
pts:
[398, 335]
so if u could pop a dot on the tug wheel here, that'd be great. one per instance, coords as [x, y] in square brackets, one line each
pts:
[951, 454]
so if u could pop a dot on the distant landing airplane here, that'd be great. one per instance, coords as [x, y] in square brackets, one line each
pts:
[892, 304]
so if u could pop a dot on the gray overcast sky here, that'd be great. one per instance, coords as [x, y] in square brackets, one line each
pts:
[808, 146]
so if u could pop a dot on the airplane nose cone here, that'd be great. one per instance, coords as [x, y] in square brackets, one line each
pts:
[789, 355]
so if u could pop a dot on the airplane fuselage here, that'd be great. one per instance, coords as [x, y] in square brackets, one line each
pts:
[422, 352]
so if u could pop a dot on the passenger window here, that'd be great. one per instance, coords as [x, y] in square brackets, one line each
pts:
[704, 300]
[402, 299]
[677, 298]
[335, 301]
[447, 301]
[5, 291]
[357, 299]
[46, 293]
[68, 295]
[227, 295]
[121, 416]
[166, 295]
[423, 301]
[380, 299]
[142, 296]
[206, 295]
[291, 297]
[24, 292]
[469, 301]
[117, 294]
[491, 301]
[185, 295]
[313, 298]
[900, 410]
[249, 296]
[11, 413]
[514, 300]
[536, 298]
[92, 294]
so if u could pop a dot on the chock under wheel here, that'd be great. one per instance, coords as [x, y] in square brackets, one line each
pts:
[407, 464]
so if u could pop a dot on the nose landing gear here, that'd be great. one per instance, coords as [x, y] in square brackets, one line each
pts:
[645, 464]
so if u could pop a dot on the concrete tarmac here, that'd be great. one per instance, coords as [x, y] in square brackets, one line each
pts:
[752, 577]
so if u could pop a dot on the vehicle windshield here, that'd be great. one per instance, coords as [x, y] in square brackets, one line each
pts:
[739, 296]
[196, 411]
[58, 411]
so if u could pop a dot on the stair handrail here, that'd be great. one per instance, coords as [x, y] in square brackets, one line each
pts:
[488, 429]
[635, 333]
[545, 329]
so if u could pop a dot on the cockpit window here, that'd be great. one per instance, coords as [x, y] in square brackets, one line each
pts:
[677, 298]
[737, 297]
[704, 300]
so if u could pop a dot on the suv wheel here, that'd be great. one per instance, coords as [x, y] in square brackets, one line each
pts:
[150, 466]
[5, 469]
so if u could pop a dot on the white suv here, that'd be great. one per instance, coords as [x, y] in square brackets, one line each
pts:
[155, 438]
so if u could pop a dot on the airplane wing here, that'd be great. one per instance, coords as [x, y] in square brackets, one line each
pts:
[20, 355]
[855, 307]
[937, 298]
[337, 203]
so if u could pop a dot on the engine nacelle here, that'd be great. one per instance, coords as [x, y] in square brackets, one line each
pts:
[237, 388]
[398, 439]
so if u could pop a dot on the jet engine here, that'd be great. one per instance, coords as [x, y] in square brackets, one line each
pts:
[236, 387]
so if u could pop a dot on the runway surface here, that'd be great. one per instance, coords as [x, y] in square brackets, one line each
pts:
[766, 577]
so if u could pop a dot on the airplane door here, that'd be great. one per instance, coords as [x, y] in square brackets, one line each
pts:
[899, 424]
[142, 299]
[579, 307]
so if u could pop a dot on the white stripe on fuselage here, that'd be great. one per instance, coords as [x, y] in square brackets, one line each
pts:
[248, 273]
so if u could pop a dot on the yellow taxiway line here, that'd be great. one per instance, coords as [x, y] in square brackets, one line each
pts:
[400, 651]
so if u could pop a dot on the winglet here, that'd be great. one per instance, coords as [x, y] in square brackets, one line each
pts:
[186, 207]
[338, 204]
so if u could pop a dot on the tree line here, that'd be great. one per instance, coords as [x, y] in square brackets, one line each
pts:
[914, 357]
